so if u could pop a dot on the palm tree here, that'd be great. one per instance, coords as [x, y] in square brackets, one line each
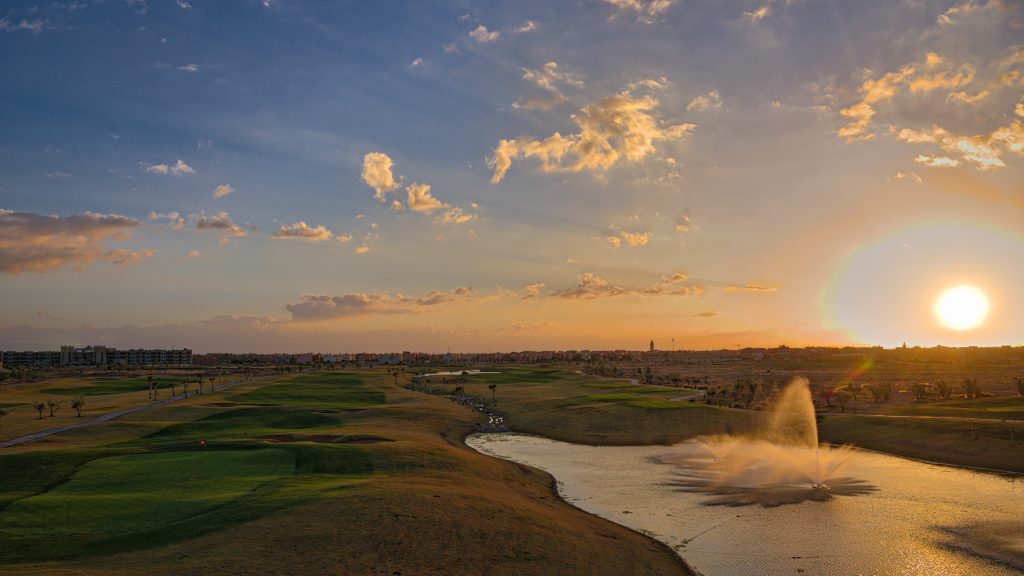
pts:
[54, 406]
[78, 404]
[149, 380]
[39, 406]
[493, 387]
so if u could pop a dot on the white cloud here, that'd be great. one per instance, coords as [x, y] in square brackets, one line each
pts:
[757, 15]
[618, 127]
[417, 63]
[34, 26]
[377, 174]
[302, 231]
[936, 161]
[648, 11]
[482, 34]
[421, 200]
[174, 219]
[190, 68]
[547, 79]
[222, 190]
[710, 101]
[528, 26]
[218, 222]
[176, 169]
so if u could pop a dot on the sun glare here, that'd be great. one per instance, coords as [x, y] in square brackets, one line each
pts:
[962, 307]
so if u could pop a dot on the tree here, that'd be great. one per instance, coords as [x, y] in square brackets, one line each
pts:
[39, 406]
[843, 397]
[943, 388]
[971, 388]
[493, 387]
[149, 380]
[3, 413]
[827, 395]
[855, 389]
[919, 390]
[78, 404]
[880, 392]
[1020, 386]
[54, 405]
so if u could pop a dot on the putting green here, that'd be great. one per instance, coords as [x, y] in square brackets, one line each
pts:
[122, 494]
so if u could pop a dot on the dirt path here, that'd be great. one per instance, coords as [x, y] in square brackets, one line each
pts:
[101, 419]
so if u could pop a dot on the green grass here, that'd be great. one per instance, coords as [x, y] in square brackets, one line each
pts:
[1009, 408]
[244, 422]
[985, 445]
[120, 494]
[105, 386]
[339, 391]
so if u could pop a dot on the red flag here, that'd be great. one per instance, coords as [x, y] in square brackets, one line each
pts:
[202, 442]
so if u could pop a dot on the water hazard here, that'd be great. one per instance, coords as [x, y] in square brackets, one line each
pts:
[793, 508]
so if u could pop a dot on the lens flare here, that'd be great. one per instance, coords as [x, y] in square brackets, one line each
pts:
[962, 307]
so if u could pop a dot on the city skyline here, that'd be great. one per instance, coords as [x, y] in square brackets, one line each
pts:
[278, 176]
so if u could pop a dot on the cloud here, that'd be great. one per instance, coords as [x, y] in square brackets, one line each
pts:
[590, 286]
[860, 115]
[174, 219]
[705, 315]
[177, 169]
[193, 254]
[38, 243]
[377, 174]
[618, 127]
[343, 238]
[483, 35]
[911, 176]
[532, 290]
[683, 222]
[710, 101]
[362, 249]
[190, 68]
[982, 152]
[312, 307]
[303, 231]
[222, 190]
[547, 78]
[758, 288]
[632, 239]
[757, 15]
[528, 26]
[34, 26]
[967, 8]
[936, 161]
[678, 284]
[417, 63]
[219, 222]
[456, 215]
[421, 200]
[648, 11]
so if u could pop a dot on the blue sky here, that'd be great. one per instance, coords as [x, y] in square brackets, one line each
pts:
[687, 169]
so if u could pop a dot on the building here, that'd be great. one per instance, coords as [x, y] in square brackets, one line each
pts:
[96, 356]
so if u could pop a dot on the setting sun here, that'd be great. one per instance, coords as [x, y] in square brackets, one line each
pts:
[962, 307]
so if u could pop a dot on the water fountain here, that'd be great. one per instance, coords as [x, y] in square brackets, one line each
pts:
[782, 463]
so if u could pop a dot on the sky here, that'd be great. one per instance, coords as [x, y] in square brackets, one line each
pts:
[289, 175]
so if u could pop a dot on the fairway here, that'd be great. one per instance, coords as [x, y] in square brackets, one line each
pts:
[122, 494]
[105, 386]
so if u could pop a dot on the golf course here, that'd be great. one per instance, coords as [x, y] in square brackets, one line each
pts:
[325, 472]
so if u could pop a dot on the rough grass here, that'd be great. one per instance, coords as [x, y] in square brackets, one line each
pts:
[585, 409]
[339, 391]
[105, 386]
[979, 444]
[1011, 408]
